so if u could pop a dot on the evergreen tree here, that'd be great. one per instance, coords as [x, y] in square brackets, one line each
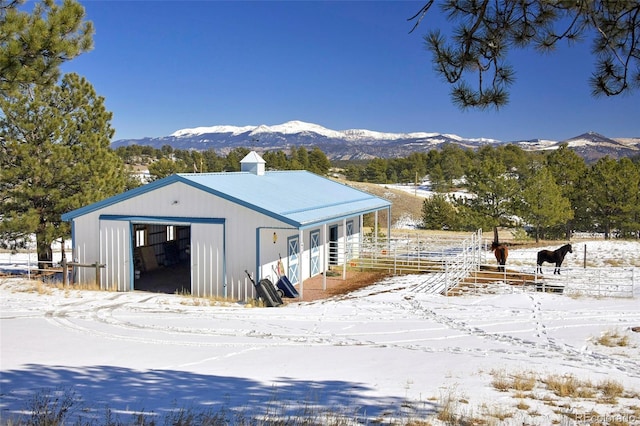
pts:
[303, 158]
[55, 157]
[438, 181]
[543, 203]
[294, 162]
[318, 162]
[354, 172]
[232, 162]
[613, 195]
[569, 169]
[33, 46]
[495, 195]
[438, 213]
[213, 162]
[486, 30]
[166, 167]
[376, 171]
[628, 222]
[276, 160]
[453, 162]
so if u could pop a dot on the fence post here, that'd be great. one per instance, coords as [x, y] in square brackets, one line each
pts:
[395, 259]
[446, 277]
[97, 265]
[65, 278]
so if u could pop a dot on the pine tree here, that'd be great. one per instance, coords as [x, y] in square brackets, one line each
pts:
[55, 157]
[569, 169]
[495, 195]
[165, 167]
[613, 195]
[543, 203]
[318, 162]
[485, 31]
[33, 46]
[438, 213]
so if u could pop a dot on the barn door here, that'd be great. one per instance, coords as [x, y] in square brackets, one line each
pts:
[207, 259]
[115, 254]
[349, 254]
[293, 255]
[315, 252]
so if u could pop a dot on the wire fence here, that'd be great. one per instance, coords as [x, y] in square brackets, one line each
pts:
[452, 265]
[448, 264]
[622, 282]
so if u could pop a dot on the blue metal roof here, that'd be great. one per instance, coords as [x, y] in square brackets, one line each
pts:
[299, 198]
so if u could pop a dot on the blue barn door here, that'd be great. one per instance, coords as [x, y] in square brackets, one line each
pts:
[315, 252]
[293, 252]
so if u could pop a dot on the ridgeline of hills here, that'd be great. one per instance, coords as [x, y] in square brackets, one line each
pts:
[357, 144]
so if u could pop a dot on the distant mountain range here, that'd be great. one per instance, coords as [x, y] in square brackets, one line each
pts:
[365, 144]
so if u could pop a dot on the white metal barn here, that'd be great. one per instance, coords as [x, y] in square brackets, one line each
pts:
[219, 225]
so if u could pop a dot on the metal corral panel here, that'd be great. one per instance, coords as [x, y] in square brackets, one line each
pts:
[207, 260]
[115, 252]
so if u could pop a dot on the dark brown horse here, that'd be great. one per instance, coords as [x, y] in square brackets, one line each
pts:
[502, 252]
[556, 256]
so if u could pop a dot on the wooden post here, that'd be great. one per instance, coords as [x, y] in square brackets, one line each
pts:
[97, 265]
[585, 256]
[65, 276]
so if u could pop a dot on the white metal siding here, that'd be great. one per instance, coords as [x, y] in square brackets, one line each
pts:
[207, 260]
[243, 230]
[115, 248]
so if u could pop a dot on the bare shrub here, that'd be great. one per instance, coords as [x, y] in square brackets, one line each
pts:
[611, 391]
[569, 386]
[51, 407]
[613, 338]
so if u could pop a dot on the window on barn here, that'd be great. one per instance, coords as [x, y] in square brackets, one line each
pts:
[171, 233]
[141, 236]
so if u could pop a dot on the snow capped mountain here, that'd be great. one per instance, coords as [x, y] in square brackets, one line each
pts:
[361, 143]
[213, 129]
[301, 127]
[592, 138]
[592, 145]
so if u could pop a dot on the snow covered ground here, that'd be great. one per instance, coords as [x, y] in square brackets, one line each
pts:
[385, 352]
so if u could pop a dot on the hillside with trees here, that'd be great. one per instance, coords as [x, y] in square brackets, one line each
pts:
[550, 193]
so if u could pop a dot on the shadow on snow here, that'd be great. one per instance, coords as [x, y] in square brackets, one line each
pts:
[126, 392]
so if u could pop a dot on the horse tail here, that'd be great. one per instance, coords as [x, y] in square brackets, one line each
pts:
[504, 252]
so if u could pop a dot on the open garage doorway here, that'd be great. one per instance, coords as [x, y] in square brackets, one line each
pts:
[162, 258]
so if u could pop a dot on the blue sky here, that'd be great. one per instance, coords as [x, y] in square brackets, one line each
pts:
[167, 65]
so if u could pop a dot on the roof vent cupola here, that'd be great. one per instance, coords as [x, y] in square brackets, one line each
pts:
[252, 163]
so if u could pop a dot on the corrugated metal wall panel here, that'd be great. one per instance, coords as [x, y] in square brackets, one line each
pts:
[115, 239]
[207, 259]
